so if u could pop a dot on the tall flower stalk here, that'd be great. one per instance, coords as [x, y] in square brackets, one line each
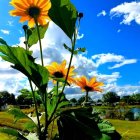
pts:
[25, 28]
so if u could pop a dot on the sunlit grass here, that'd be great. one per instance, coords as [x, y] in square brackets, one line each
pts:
[130, 130]
[3, 136]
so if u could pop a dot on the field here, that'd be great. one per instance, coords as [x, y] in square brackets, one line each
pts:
[128, 129]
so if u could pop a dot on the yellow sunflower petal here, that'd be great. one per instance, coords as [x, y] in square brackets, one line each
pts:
[97, 84]
[50, 69]
[31, 23]
[46, 6]
[20, 6]
[36, 2]
[42, 21]
[42, 3]
[63, 64]
[98, 89]
[25, 2]
[17, 12]
[92, 81]
[84, 80]
[24, 18]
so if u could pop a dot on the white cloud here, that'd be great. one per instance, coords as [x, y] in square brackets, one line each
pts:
[102, 13]
[7, 32]
[53, 50]
[110, 57]
[10, 23]
[124, 62]
[119, 30]
[80, 36]
[129, 10]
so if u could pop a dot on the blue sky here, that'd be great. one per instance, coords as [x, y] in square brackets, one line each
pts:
[109, 30]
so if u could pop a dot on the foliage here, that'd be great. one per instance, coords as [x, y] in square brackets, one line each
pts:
[64, 14]
[131, 99]
[73, 100]
[82, 99]
[81, 119]
[26, 97]
[6, 97]
[111, 97]
[13, 133]
[32, 37]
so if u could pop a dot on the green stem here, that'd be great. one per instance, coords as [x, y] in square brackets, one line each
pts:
[45, 97]
[36, 109]
[72, 53]
[86, 97]
[40, 44]
[37, 115]
[46, 115]
[57, 86]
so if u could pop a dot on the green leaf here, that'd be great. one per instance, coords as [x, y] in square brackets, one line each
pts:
[79, 50]
[24, 62]
[53, 100]
[106, 127]
[3, 42]
[12, 132]
[32, 34]
[30, 126]
[79, 122]
[105, 137]
[18, 114]
[64, 14]
[76, 51]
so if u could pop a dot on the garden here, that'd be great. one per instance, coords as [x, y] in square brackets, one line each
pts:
[43, 112]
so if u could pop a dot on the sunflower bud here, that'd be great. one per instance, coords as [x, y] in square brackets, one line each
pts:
[80, 15]
[25, 27]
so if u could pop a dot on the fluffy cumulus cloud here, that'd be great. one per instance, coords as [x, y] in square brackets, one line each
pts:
[129, 10]
[119, 60]
[53, 50]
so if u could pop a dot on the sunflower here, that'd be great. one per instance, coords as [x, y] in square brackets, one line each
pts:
[60, 71]
[31, 10]
[88, 85]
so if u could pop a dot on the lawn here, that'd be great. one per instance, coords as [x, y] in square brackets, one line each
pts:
[130, 130]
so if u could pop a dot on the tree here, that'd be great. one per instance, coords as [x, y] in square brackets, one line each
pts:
[6, 97]
[111, 97]
[131, 99]
[136, 98]
[26, 97]
[73, 100]
[82, 99]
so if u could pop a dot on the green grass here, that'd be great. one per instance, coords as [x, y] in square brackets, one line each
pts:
[6, 137]
[130, 130]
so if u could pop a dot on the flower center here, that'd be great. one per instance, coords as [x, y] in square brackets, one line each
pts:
[33, 11]
[58, 74]
[87, 88]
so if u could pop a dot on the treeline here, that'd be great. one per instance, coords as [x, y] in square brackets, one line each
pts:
[111, 98]
[25, 98]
